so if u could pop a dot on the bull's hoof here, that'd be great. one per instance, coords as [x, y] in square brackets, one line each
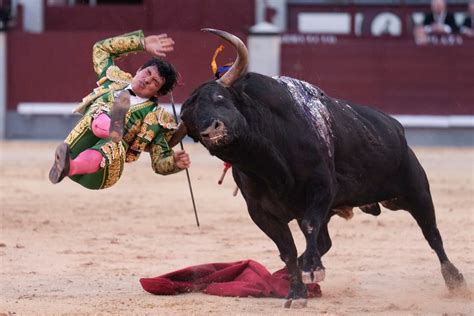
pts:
[452, 277]
[315, 276]
[296, 303]
[307, 277]
[319, 275]
[297, 296]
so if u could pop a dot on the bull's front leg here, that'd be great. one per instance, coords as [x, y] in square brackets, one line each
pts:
[280, 233]
[310, 261]
[314, 227]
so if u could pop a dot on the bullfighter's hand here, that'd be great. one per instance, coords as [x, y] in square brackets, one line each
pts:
[181, 158]
[158, 45]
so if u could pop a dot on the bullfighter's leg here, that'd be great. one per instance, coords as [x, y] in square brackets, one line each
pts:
[117, 116]
[100, 126]
[419, 204]
[280, 233]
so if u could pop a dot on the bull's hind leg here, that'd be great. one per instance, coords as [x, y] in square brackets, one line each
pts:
[419, 204]
[423, 211]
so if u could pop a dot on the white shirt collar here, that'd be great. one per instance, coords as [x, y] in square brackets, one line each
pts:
[133, 98]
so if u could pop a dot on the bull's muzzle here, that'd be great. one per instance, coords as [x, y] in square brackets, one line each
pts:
[215, 134]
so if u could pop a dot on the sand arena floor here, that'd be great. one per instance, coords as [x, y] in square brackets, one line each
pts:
[64, 249]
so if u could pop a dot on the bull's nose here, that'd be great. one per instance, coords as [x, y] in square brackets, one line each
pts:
[216, 128]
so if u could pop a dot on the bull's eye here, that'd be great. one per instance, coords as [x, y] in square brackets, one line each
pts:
[219, 97]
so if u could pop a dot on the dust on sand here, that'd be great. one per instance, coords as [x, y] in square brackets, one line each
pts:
[65, 249]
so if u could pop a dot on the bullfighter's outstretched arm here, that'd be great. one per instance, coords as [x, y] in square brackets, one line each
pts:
[104, 52]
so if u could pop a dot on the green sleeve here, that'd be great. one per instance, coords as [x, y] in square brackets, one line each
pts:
[162, 159]
[104, 52]
[152, 137]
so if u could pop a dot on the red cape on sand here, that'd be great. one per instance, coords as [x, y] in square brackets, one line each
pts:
[241, 278]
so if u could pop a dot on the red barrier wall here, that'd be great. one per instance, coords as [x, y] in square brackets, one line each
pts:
[119, 18]
[395, 75]
[228, 15]
[182, 15]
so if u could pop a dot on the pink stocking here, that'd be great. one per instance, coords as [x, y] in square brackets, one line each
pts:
[101, 125]
[87, 162]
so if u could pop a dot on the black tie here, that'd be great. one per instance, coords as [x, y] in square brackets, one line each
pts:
[131, 92]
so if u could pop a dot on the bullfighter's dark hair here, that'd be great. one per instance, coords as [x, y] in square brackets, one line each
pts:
[167, 71]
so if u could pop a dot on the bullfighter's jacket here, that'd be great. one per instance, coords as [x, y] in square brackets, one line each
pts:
[148, 126]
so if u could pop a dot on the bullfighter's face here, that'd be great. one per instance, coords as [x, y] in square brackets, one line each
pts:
[211, 117]
[147, 82]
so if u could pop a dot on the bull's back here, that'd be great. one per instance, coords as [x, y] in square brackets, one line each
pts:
[367, 147]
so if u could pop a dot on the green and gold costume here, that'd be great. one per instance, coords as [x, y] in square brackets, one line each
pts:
[148, 126]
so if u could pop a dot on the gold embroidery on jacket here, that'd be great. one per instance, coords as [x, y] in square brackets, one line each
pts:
[103, 54]
[143, 138]
[132, 131]
[132, 155]
[149, 135]
[80, 129]
[165, 119]
[114, 153]
[104, 51]
[96, 94]
[151, 119]
[115, 74]
[99, 107]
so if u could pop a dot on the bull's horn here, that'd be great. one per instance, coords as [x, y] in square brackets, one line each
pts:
[178, 135]
[241, 62]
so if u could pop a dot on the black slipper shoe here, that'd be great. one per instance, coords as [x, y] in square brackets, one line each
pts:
[117, 117]
[60, 168]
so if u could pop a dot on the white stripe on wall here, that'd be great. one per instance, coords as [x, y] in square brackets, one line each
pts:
[436, 121]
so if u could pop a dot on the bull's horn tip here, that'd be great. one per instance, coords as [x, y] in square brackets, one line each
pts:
[215, 31]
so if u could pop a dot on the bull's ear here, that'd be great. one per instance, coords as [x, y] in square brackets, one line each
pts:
[178, 135]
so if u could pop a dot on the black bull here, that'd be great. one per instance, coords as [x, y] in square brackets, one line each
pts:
[297, 153]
